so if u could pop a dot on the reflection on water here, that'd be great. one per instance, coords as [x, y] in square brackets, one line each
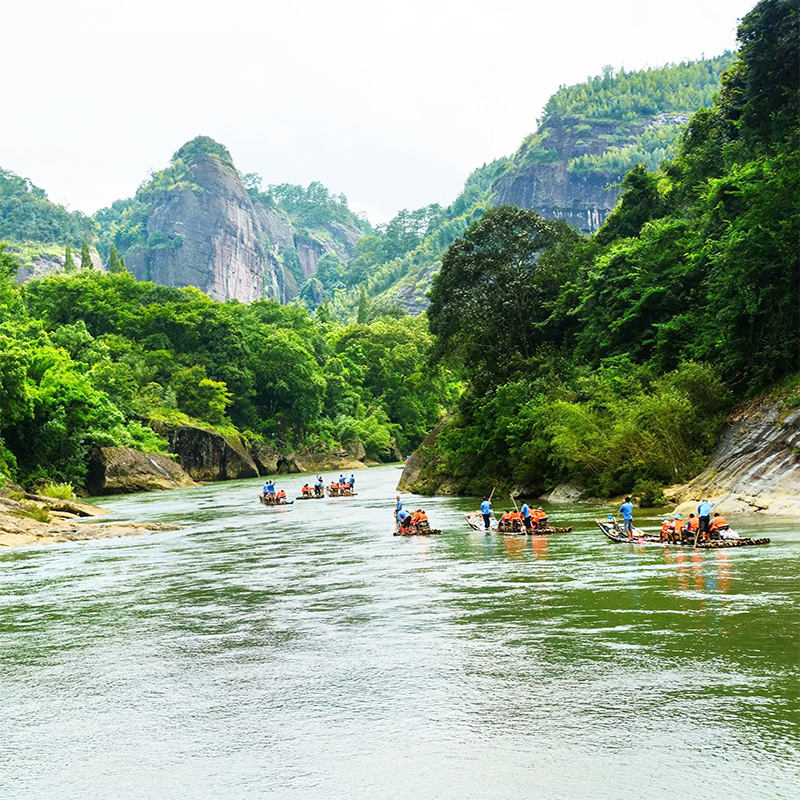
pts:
[306, 652]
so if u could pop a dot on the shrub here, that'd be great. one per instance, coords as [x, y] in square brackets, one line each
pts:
[61, 491]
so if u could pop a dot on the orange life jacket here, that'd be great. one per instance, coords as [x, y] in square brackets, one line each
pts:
[667, 526]
[718, 523]
[692, 524]
[679, 525]
[423, 517]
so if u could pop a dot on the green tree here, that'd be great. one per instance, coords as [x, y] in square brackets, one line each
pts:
[362, 315]
[69, 262]
[114, 262]
[86, 258]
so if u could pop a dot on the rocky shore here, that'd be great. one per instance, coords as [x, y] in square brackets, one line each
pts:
[35, 519]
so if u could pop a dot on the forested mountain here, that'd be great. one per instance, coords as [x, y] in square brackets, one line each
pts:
[609, 361]
[199, 222]
[591, 134]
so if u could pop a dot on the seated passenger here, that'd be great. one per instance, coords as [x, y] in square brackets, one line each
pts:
[667, 530]
[718, 523]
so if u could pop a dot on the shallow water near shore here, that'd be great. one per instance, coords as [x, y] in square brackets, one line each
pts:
[305, 652]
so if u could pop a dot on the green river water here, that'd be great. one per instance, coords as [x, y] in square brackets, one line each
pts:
[308, 653]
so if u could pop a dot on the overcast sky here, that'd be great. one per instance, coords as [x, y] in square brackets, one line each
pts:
[391, 103]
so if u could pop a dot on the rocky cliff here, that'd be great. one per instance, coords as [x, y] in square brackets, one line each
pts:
[756, 465]
[561, 173]
[204, 231]
[195, 224]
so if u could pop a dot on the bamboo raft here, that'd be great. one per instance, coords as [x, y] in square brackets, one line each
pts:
[612, 532]
[341, 494]
[310, 497]
[422, 529]
[475, 521]
[267, 502]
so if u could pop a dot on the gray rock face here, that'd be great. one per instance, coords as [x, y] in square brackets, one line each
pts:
[209, 236]
[755, 467]
[119, 470]
[553, 191]
[208, 456]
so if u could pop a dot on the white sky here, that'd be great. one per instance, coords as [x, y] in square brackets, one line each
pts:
[393, 104]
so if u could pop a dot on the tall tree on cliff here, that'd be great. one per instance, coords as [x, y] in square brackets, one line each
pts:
[69, 262]
[114, 263]
[86, 259]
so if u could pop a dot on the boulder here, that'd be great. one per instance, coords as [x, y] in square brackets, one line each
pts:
[271, 461]
[208, 455]
[121, 470]
[563, 493]
[357, 451]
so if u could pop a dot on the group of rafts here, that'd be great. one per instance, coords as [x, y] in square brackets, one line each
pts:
[344, 487]
[674, 530]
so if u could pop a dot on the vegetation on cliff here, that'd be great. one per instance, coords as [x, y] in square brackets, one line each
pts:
[610, 360]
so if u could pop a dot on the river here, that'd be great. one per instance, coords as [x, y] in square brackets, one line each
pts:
[308, 653]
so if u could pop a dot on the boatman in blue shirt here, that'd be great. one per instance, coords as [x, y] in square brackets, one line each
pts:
[626, 509]
[398, 508]
[486, 510]
[704, 514]
[526, 517]
[404, 518]
[318, 486]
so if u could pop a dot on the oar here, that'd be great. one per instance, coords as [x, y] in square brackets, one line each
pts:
[492, 494]
[696, 536]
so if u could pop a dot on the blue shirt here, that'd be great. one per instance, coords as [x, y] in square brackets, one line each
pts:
[486, 507]
[704, 509]
[351, 480]
[403, 515]
[319, 480]
[626, 509]
[526, 512]
[399, 506]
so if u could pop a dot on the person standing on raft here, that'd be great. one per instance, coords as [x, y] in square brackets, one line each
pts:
[704, 513]
[486, 510]
[526, 517]
[626, 509]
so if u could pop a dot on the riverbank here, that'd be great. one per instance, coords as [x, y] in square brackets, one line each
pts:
[35, 519]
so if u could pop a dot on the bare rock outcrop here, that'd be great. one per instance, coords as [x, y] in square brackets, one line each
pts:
[208, 455]
[121, 470]
[204, 232]
[756, 465]
[17, 529]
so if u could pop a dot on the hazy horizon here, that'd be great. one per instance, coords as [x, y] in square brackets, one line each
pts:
[392, 106]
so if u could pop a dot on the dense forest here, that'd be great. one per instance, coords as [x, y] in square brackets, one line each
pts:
[610, 360]
[93, 359]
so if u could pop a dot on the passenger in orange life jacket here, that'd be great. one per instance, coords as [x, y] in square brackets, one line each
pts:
[667, 529]
[680, 527]
[719, 523]
[692, 524]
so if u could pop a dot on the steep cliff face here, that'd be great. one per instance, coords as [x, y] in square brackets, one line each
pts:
[756, 465]
[570, 169]
[204, 231]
